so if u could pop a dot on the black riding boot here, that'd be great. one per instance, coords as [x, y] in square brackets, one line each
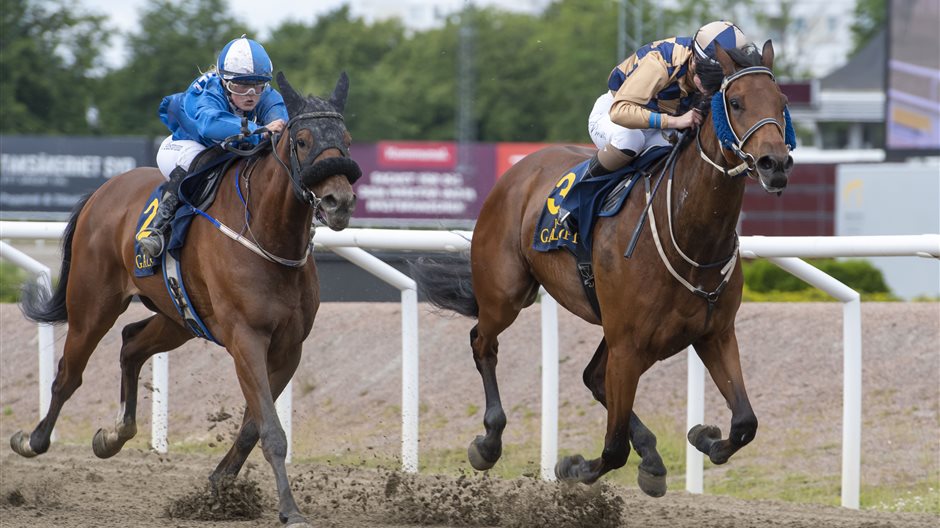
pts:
[607, 160]
[595, 168]
[154, 243]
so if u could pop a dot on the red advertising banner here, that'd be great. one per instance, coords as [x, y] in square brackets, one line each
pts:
[508, 154]
[423, 182]
[417, 154]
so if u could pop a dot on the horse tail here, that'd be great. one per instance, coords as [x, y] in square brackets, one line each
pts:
[35, 301]
[446, 283]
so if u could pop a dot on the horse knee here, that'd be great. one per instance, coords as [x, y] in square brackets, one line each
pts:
[743, 430]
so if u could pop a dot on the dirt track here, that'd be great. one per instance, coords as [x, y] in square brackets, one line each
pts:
[791, 359]
[70, 487]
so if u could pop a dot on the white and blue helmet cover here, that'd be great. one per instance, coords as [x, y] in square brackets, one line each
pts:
[244, 60]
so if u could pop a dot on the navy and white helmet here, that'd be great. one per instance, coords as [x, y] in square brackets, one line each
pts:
[722, 32]
[244, 60]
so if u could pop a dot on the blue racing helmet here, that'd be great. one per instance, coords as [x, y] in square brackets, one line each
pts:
[244, 60]
[721, 32]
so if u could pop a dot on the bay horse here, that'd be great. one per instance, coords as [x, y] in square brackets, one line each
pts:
[260, 309]
[652, 305]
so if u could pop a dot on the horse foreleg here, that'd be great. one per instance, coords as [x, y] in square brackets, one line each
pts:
[249, 350]
[621, 378]
[720, 356]
[484, 451]
[651, 474]
[141, 340]
[231, 464]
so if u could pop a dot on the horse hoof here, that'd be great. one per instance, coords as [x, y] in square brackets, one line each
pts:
[477, 460]
[703, 433]
[652, 485]
[568, 469]
[99, 444]
[19, 443]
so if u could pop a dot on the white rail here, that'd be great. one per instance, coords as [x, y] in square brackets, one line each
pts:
[783, 251]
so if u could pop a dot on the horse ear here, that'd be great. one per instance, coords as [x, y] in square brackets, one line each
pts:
[338, 97]
[727, 63]
[767, 55]
[293, 100]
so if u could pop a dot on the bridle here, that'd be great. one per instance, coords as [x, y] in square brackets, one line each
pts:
[300, 177]
[728, 138]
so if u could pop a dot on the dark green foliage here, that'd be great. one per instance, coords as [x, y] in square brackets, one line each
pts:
[49, 51]
[763, 276]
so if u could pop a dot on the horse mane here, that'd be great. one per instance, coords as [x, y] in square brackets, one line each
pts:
[711, 75]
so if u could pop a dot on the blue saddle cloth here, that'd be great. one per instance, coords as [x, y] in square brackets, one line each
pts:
[574, 204]
[193, 186]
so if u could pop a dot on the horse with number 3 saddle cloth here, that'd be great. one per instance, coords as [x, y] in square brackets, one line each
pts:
[575, 203]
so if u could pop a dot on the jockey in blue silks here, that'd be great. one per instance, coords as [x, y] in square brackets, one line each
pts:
[209, 111]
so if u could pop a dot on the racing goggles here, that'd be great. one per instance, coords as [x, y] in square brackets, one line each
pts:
[246, 88]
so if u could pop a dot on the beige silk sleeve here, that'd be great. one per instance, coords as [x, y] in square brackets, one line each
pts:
[648, 79]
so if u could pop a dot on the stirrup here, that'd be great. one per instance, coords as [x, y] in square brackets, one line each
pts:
[152, 245]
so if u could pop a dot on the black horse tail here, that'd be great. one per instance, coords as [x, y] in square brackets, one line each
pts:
[446, 283]
[35, 302]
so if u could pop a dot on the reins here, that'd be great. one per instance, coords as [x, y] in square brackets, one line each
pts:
[295, 175]
[736, 145]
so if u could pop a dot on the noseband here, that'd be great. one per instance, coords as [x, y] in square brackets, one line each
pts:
[728, 138]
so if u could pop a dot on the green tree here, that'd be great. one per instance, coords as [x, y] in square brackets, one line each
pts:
[313, 56]
[49, 51]
[870, 18]
[176, 41]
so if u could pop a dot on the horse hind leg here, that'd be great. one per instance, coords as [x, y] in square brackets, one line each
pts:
[484, 451]
[499, 307]
[86, 328]
[720, 356]
[141, 340]
[651, 473]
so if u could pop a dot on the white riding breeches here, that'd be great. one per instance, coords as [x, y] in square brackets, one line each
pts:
[604, 131]
[180, 153]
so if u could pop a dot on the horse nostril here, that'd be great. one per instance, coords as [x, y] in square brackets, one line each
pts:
[328, 202]
[765, 163]
[788, 164]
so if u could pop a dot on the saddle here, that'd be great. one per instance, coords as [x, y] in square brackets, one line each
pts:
[574, 204]
[197, 192]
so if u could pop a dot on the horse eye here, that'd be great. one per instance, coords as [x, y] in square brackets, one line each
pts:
[301, 143]
[734, 103]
